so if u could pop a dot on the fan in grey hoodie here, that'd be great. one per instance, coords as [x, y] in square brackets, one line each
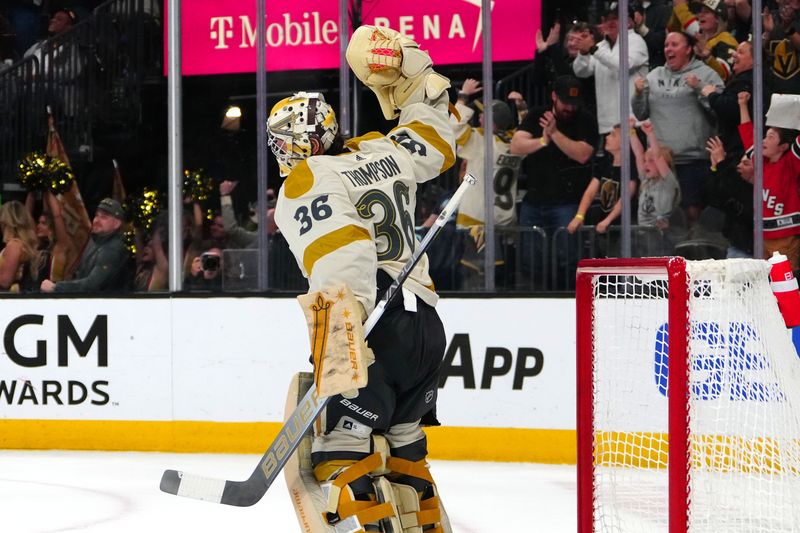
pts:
[681, 116]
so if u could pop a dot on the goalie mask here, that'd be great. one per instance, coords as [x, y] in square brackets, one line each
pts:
[293, 122]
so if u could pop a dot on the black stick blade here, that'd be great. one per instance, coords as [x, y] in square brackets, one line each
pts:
[170, 481]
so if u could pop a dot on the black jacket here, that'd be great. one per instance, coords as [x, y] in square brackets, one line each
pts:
[726, 107]
[103, 266]
[727, 191]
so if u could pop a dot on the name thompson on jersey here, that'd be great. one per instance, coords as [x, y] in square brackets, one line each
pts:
[372, 172]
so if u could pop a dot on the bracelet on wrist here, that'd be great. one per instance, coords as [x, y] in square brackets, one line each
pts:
[580, 217]
[713, 168]
[542, 141]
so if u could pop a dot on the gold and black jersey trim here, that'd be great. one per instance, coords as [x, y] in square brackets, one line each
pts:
[330, 242]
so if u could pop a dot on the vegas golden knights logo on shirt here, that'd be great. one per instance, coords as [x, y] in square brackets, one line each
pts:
[784, 59]
[609, 194]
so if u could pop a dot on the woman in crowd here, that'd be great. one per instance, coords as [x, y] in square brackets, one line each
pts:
[19, 260]
[671, 97]
[59, 254]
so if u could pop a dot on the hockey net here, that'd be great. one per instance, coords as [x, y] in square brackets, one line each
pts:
[688, 399]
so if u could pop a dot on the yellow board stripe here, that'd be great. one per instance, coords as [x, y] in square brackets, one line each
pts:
[644, 450]
[299, 182]
[430, 135]
[453, 443]
[331, 242]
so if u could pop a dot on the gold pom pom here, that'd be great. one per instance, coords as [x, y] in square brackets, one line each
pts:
[143, 207]
[41, 172]
[197, 185]
[129, 238]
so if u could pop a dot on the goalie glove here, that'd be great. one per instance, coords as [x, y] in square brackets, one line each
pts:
[394, 67]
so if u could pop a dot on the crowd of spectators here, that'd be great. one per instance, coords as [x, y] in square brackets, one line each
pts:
[690, 80]
[690, 77]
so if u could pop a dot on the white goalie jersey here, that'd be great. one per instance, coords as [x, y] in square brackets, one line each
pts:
[344, 216]
[470, 146]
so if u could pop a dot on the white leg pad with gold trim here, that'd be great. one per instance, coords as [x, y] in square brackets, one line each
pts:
[310, 500]
[306, 494]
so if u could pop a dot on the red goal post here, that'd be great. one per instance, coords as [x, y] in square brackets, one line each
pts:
[688, 398]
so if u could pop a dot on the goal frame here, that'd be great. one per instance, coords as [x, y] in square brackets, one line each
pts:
[677, 389]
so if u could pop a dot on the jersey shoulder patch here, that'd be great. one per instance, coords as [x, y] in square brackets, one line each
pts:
[299, 181]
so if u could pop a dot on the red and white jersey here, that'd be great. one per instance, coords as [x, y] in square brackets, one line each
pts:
[780, 188]
[470, 146]
[347, 215]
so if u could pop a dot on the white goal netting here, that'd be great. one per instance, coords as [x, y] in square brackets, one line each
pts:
[744, 402]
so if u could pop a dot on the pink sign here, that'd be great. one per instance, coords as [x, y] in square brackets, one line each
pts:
[220, 37]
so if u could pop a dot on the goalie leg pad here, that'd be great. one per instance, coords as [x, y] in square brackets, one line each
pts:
[375, 492]
[417, 496]
[355, 501]
[304, 490]
[351, 498]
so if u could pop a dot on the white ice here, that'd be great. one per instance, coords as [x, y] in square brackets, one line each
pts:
[57, 491]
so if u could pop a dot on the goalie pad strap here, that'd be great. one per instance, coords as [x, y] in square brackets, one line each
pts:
[359, 469]
[430, 503]
[365, 512]
[426, 517]
[352, 473]
[416, 469]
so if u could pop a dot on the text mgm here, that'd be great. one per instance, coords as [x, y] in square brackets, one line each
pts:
[25, 391]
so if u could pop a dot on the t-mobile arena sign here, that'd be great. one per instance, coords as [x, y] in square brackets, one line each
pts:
[220, 37]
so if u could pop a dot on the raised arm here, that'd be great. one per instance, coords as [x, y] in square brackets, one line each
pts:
[60, 227]
[745, 124]
[744, 110]
[160, 277]
[652, 142]
[637, 55]
[461, 128]
[637, 149]
[30, 202]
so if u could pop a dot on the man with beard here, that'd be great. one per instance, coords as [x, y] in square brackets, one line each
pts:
[104, 262]
[557, 143]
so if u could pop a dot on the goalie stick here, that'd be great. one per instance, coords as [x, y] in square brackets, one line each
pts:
[250, 491]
